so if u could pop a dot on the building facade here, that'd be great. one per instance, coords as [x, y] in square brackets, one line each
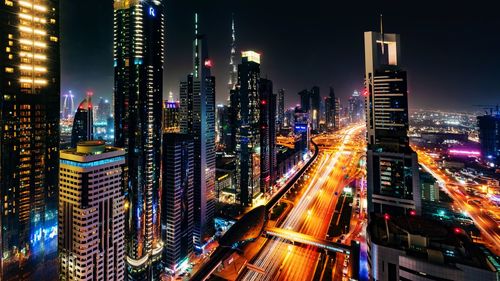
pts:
[138, 64]
[268, 160]
[91, 213]
[246, 103]
[29, 138]
[281, 109]
[177, 197]
[489, 137]
[392, 166]
[197, 100]
[171, 116]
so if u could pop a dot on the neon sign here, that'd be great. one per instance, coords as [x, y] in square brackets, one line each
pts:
[152, 12]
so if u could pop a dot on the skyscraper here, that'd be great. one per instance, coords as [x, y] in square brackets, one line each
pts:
[315, 107]
[489, 137]
[29, 139]
[171, 116]
[393, 179]
[331, 110]
[103, 111]
[92, 213]
[305, 100]
[177, 192]
[233, 72]
[138, 62]
[83, 124]
[356, 108]
[281, 108]
[197, 115]
[268, 160]
[246, 102]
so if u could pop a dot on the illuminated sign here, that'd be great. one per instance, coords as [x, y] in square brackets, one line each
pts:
[152, 12]
[300, 128]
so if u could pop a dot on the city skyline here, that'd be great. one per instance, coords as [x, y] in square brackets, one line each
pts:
[332, 59]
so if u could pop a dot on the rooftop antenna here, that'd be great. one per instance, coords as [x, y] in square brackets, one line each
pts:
[382, 33]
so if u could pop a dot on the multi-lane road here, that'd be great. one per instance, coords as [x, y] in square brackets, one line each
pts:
[337, 165]
[490, 230]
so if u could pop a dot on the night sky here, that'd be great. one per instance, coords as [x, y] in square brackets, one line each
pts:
[450, 50]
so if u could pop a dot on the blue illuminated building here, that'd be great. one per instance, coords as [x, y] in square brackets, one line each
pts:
[138, 126]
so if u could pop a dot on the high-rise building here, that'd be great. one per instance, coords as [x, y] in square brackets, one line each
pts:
[177, 198]
[103, 111]
[83, 123]
[331, 110]
[267, 135]
[68, 108]
[171, 116]
[315, 110]
[356, 108]
[138, 63]
[91, 213]
[305, 100]
[197, 97]
[281, 108]
[489, 137]
[392, 166]
[336, 124]
[233, 72]
[29, 139]
[246, 103]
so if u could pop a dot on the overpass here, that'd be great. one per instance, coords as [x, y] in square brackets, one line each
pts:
[297, 237]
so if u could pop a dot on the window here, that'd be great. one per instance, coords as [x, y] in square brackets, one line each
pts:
[9, 69]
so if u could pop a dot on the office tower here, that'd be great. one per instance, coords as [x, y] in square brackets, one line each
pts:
[393, 178]
[83, 123]
[355, 108]
[138, 62]
[413, 248]
[305, 100]
[489, 138]
[198, 119]
[91, 213]
[68, 108]
[29, 138]
[177, 197]
[246, 102]
[315, 107]
[224, 137]
[331, 110]
[233, 72]
[267, 135]
[336, 118]
[171, 116]
[103, 111]
[281, 108]
[429, 187]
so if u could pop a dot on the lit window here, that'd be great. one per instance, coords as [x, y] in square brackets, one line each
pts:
[54, 39]
[9, 3]
[9, 70]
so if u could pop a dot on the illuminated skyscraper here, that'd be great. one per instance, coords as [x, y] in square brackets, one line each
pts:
[197, 115]
[177, 197]
[331, 110]
[246, 103]
[91, 213]
[83, 125]
[103, 111]
[393, 179]
[233, 73]
[138, 62]
[268, 160]
[281, 108]
[171, 116]
[29, 139]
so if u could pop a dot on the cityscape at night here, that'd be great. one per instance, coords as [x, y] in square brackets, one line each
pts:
[154, 140]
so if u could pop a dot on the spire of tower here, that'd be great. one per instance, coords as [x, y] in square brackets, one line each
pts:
[233, 72]
[382, 33]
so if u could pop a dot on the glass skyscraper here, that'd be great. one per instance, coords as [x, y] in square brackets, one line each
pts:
[29, 138]
[197, 118]
[138, 63]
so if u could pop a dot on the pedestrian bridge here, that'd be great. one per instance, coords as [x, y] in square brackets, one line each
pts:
[305, 239]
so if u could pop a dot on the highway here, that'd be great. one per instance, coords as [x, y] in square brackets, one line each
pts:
[313, 209]
[490, 230]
